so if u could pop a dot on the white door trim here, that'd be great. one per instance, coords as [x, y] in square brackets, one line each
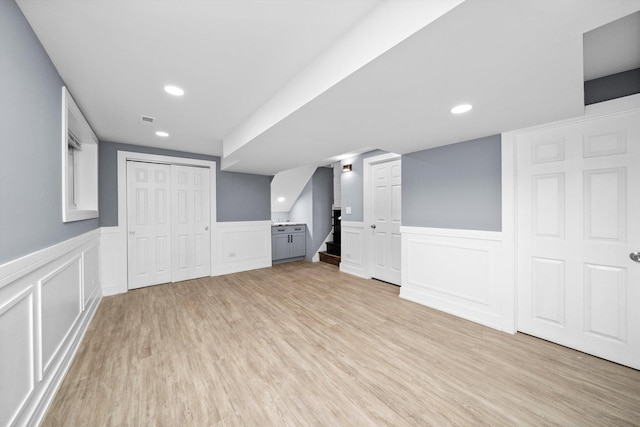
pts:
[510, 197]
[508, 290]
[123, 157]
[367, 201]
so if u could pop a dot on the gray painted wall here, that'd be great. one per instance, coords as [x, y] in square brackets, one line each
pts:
[454, 186]
[239, 196]
[30, 147]
[243, 197]
[611, 87]
[351, 187]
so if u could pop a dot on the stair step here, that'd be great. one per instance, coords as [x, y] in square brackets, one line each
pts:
[329, 258]
[333, 248]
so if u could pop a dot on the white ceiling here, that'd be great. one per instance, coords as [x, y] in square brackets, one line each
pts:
[230, 56]
[258, 73]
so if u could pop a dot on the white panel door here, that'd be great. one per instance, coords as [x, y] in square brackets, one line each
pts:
[385, 214]
[190, 233]
[578, 222]
[148, 224]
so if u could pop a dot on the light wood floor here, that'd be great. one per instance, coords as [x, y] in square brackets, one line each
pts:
[302, 344]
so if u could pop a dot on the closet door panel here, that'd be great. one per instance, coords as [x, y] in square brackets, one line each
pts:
[190, 228]
[148, 225]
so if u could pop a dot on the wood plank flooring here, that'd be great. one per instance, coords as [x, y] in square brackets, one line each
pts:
[302, 344]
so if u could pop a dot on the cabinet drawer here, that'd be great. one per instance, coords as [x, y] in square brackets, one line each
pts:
[288, 229]
[279, 230]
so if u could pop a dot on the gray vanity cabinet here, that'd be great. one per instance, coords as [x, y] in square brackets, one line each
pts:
[288, 242]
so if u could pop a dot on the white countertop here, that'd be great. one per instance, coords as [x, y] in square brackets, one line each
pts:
[280, 224]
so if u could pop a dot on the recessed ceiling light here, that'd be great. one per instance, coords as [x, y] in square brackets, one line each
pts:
[281, 199]
[462, 108]
[174, 90]
[162, 133]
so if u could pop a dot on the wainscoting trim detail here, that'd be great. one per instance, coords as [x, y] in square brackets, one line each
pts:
[22, 266]
[355, 254]
[110, 262]
[47, 300]
[240, 246]
[456, 271]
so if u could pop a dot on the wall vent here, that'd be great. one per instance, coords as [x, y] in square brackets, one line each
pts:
[147, 120]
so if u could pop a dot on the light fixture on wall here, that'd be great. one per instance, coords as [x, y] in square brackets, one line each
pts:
[346, 168]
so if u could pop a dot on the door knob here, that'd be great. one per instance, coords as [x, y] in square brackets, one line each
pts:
[635, 256]
[206, 229]
[373, 226]
[132, 233]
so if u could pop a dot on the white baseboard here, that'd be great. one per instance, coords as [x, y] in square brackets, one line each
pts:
[238, 267]
[38, 330]
[108, 291]
[353, 270]
[443, 304]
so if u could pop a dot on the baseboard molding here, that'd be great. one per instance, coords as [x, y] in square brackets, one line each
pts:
[47, 300]
[487, 319]
[353, 270]
[230, 268]
[108, 291]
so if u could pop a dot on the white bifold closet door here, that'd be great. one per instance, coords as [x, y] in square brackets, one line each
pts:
[168, 211]
[190, 235]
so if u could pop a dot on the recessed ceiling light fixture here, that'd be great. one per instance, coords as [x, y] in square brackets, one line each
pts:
[281, 199]
[162, 133]
[462, 108]
[174, 90]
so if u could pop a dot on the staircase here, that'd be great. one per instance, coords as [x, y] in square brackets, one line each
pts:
[332, 254]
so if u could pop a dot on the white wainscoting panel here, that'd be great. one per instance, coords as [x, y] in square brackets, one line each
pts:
[60, 305]
[47, 300]
[355, 254]
[241, 246]
[91, 272]
[113, 274]
[17, 376]
[456, 271]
